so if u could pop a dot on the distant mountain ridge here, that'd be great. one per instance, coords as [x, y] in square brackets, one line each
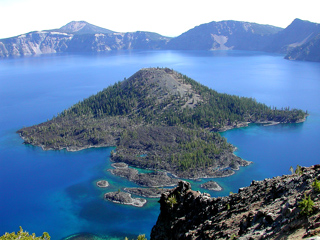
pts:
[225, 35]
[81, 36]
[78, 36]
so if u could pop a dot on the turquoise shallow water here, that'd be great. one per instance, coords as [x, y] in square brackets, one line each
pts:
[55, 191]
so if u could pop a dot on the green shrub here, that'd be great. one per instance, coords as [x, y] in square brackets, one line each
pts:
[172, 201]
[24, 236]
[316, 185]
[306, 205]
[233, 237]
[140, 237]
[298, 170]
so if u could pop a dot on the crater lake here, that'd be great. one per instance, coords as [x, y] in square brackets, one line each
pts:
[56, 192]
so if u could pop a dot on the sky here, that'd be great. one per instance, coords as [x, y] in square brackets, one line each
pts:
[166, 17]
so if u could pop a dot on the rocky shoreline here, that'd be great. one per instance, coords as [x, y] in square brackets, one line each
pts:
[125, 198]
[69, 149]
[246, 124]
[229, 127]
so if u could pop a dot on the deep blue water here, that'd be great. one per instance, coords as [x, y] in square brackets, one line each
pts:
[55, 191]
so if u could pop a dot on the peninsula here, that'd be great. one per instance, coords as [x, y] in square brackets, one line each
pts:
[161, 120]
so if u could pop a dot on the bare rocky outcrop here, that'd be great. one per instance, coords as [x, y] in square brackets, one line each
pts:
[267, 209]
[125, 198]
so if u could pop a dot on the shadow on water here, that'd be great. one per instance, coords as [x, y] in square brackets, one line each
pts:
[99, 211]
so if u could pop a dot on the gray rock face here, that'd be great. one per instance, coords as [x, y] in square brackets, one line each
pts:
[35, 43]
[267, 209]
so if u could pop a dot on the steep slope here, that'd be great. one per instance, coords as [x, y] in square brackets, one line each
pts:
[158, 119]
[309, 51]
[268, 209]
[296, 34]
[35, 43]
[224, 35]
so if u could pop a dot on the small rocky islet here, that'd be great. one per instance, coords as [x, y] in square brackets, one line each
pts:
[211, 185]
[125, 198]
[102, 183]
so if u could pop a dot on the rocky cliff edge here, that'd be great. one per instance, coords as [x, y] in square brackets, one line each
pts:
[268, 209]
